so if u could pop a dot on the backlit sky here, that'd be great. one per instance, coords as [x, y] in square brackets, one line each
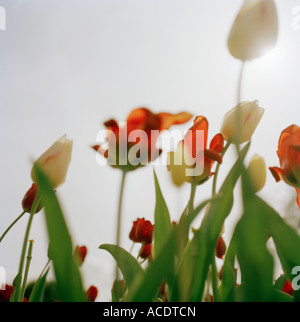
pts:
[68, 66]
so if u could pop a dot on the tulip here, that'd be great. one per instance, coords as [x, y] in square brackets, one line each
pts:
[142, 231]
[257, 172]
[146, 252]
[133, 145]
[289, 158]
[243, 118]
[92, 293]
[192, 162]
[220, 247]
[254, 31]
[29, 198]
[55, 161]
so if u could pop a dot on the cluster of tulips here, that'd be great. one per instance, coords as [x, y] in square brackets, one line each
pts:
[177, 262]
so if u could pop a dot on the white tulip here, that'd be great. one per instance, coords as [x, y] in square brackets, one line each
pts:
[55, 161]
[254, 31]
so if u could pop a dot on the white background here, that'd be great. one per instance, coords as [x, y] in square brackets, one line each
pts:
[68, 66]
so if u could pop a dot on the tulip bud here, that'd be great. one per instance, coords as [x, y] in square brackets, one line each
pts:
[254, 31]
[146, 252]
[55, 161]
[244, 118]
[92, 293]
[80, 254]
[257, 172]
[29, 198]
[288, 288]
[220, 248]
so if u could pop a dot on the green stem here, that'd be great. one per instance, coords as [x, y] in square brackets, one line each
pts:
[28, 260]
[192, 197]
[17, 295]
[119, 218]
[214, 186]
[11, 225]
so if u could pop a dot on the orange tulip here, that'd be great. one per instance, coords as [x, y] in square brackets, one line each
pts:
[133, 145]
[289, 158]
[192, 156]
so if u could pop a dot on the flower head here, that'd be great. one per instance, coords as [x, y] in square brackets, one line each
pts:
[254, 30]
[192, 161]
[146, 251]
[289, 158]
[244, 118]
[257, 172]
[133, 145]
[6, 293]
[80, 254]
[142, 231]
[29, 198]
[55, 161]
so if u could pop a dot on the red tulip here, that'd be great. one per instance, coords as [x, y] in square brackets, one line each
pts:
[133, 145]
[142, 231]
[29, 198]
[289, 158]
[193, 156]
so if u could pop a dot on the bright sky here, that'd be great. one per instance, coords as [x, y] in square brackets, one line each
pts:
[68, 66]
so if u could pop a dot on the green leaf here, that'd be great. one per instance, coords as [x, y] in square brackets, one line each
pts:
[128, 265]
[286, 239]
[37, 293]
[162, 218]
[206, 237]
[228, 284]
[69, 283]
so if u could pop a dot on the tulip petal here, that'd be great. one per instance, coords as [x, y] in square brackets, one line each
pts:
[217, 143]
[213, 155]
[277, 173]
[142, 119]
[168, 119]
[190, 139]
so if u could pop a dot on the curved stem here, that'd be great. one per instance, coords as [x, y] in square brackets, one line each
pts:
[11, 225]
[119, 218]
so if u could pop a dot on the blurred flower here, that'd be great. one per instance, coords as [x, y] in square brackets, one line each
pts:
[142, 231]
[80, 254]
[6, 293]
[249, 114]
[254, 31]
[92, 293]
[29, 198]
[55, 161]
[288, 288]
[220, 248]
[146, 251]
[257, 172]
[289, 158]
[192, 161]
[133, 145]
